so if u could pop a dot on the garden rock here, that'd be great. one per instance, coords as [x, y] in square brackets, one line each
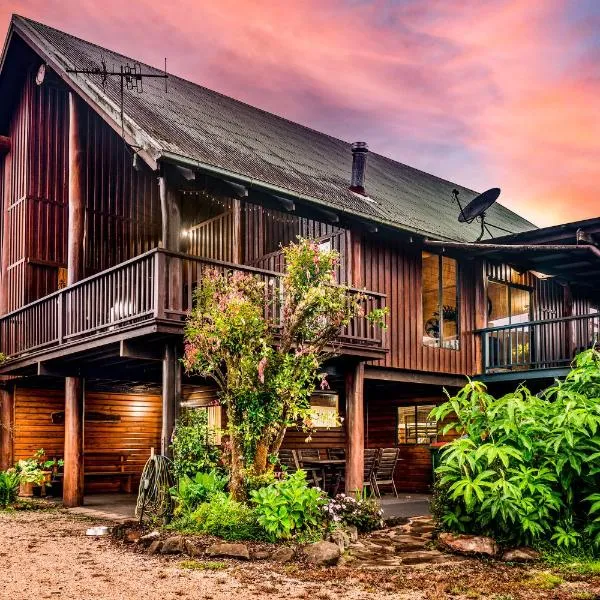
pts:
[341, 538]
[132, 536]
[261, 555]
[469, 544]
[155, 547]
[229, 551]
[283, 554]
[173, 545]
[147, 539]
[192, 549]
[352, 532]
[322, 553]
[521, 555]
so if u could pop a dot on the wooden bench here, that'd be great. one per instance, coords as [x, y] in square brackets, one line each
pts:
[108, 465]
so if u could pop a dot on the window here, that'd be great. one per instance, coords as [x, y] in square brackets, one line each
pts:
[441, 307]
[507, 304]
[324, 410]
[205, 399]
[414, 426]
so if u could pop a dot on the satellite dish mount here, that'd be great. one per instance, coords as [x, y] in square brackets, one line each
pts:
[475, 210]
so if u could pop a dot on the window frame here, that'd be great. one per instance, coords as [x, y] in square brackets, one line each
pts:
[332, 394]
[509, 285]
[440, 302]
[416, 407]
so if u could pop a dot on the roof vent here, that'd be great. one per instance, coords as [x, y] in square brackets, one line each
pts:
[359, 166]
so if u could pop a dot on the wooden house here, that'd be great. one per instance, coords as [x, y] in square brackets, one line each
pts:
[115, 199]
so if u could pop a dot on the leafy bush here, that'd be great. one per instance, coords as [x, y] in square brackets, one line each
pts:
[225, 518]
[190, 493]
[255, 482]
[364, 513]
[9, 488]
[527, 467]
[193, 444]
[29, 471]
[288, 507]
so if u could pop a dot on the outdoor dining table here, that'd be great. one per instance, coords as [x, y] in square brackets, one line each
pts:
[329, 466]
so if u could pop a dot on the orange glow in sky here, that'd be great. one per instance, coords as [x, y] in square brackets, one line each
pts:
[503, 93]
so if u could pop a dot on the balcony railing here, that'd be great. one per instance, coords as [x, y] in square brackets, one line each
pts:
[543, 344]
[156, 286]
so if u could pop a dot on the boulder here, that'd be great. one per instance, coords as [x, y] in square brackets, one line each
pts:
[173, 545]
[322, 553]
[352, 532]
[283, 554]
[229, 551]
[261, 555]
[155, 547]
[341, 538]
[132, 536]
[521, 555]
[192, 549]
[147, 539]
[469, 544]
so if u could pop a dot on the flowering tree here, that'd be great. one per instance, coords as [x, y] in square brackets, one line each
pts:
[264, 349]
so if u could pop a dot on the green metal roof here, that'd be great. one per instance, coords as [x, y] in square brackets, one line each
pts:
[198, 126]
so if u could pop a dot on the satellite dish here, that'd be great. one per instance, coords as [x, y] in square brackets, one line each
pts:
[478, 206]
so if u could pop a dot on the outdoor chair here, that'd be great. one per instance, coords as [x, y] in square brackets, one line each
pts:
[384, 472]
[289, 460]
[371, 460]
[336, 453]
[308, 454]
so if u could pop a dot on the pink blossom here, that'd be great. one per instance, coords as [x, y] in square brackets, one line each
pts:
[324, 382]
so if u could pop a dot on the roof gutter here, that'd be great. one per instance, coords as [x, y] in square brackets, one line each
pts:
[274, 189]
[512, 247]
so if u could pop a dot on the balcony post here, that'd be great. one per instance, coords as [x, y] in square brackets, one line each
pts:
[6, 237]
[74, 386]
[355, 428]
[237, 235]
[74, 411]
[7, 412]
[170, 377]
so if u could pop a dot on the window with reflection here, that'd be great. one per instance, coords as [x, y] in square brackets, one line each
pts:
[324, 410]
[414, 425]
[509, 307]
[440, 297]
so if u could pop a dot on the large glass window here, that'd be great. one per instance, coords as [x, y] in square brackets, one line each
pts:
[324, 410]
[414, 425]
[441, 307]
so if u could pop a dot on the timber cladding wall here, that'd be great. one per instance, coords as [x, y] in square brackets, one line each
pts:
[135, 430]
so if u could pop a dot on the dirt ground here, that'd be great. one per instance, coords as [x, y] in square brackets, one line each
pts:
[46, 554]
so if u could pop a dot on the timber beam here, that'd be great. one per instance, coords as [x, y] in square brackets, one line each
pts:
[140, 350]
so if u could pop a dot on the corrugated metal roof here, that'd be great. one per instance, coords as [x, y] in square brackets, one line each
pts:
[206, 127]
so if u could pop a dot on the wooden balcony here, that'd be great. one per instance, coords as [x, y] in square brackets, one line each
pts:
[148, 294]
[547, 346]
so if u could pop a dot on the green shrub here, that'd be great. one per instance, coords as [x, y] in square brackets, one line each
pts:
[362, 512]
[526, 466]
[225, 518]
[289, 506]
[193, 445]
[255, 482]
[9, 488]
[190, 493]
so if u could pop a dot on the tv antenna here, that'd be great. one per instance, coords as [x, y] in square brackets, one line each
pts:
[131, 78]
[475, 211]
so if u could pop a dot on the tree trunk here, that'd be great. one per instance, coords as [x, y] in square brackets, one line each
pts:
[260, 457]
[237, 488]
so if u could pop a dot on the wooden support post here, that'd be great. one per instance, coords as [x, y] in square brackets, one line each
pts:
[76, 191]
[7, 422]
[355, 429]
[74, 386]
[6, 237]
[73, 480]
[237, 237]
[169, 397]
[356, 272]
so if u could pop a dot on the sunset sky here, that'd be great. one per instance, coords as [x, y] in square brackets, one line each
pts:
[500, 93]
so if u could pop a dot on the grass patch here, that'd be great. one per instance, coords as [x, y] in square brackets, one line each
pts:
[544, 581]
[203, 565]
[577, 561]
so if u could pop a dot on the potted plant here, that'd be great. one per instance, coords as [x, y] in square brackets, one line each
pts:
[30, 475]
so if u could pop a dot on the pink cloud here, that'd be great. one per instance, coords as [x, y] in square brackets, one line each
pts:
[501, 93]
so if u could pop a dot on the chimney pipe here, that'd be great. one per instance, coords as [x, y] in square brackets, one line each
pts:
[359, 166]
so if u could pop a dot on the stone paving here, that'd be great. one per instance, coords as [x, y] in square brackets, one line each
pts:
[408, 544]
